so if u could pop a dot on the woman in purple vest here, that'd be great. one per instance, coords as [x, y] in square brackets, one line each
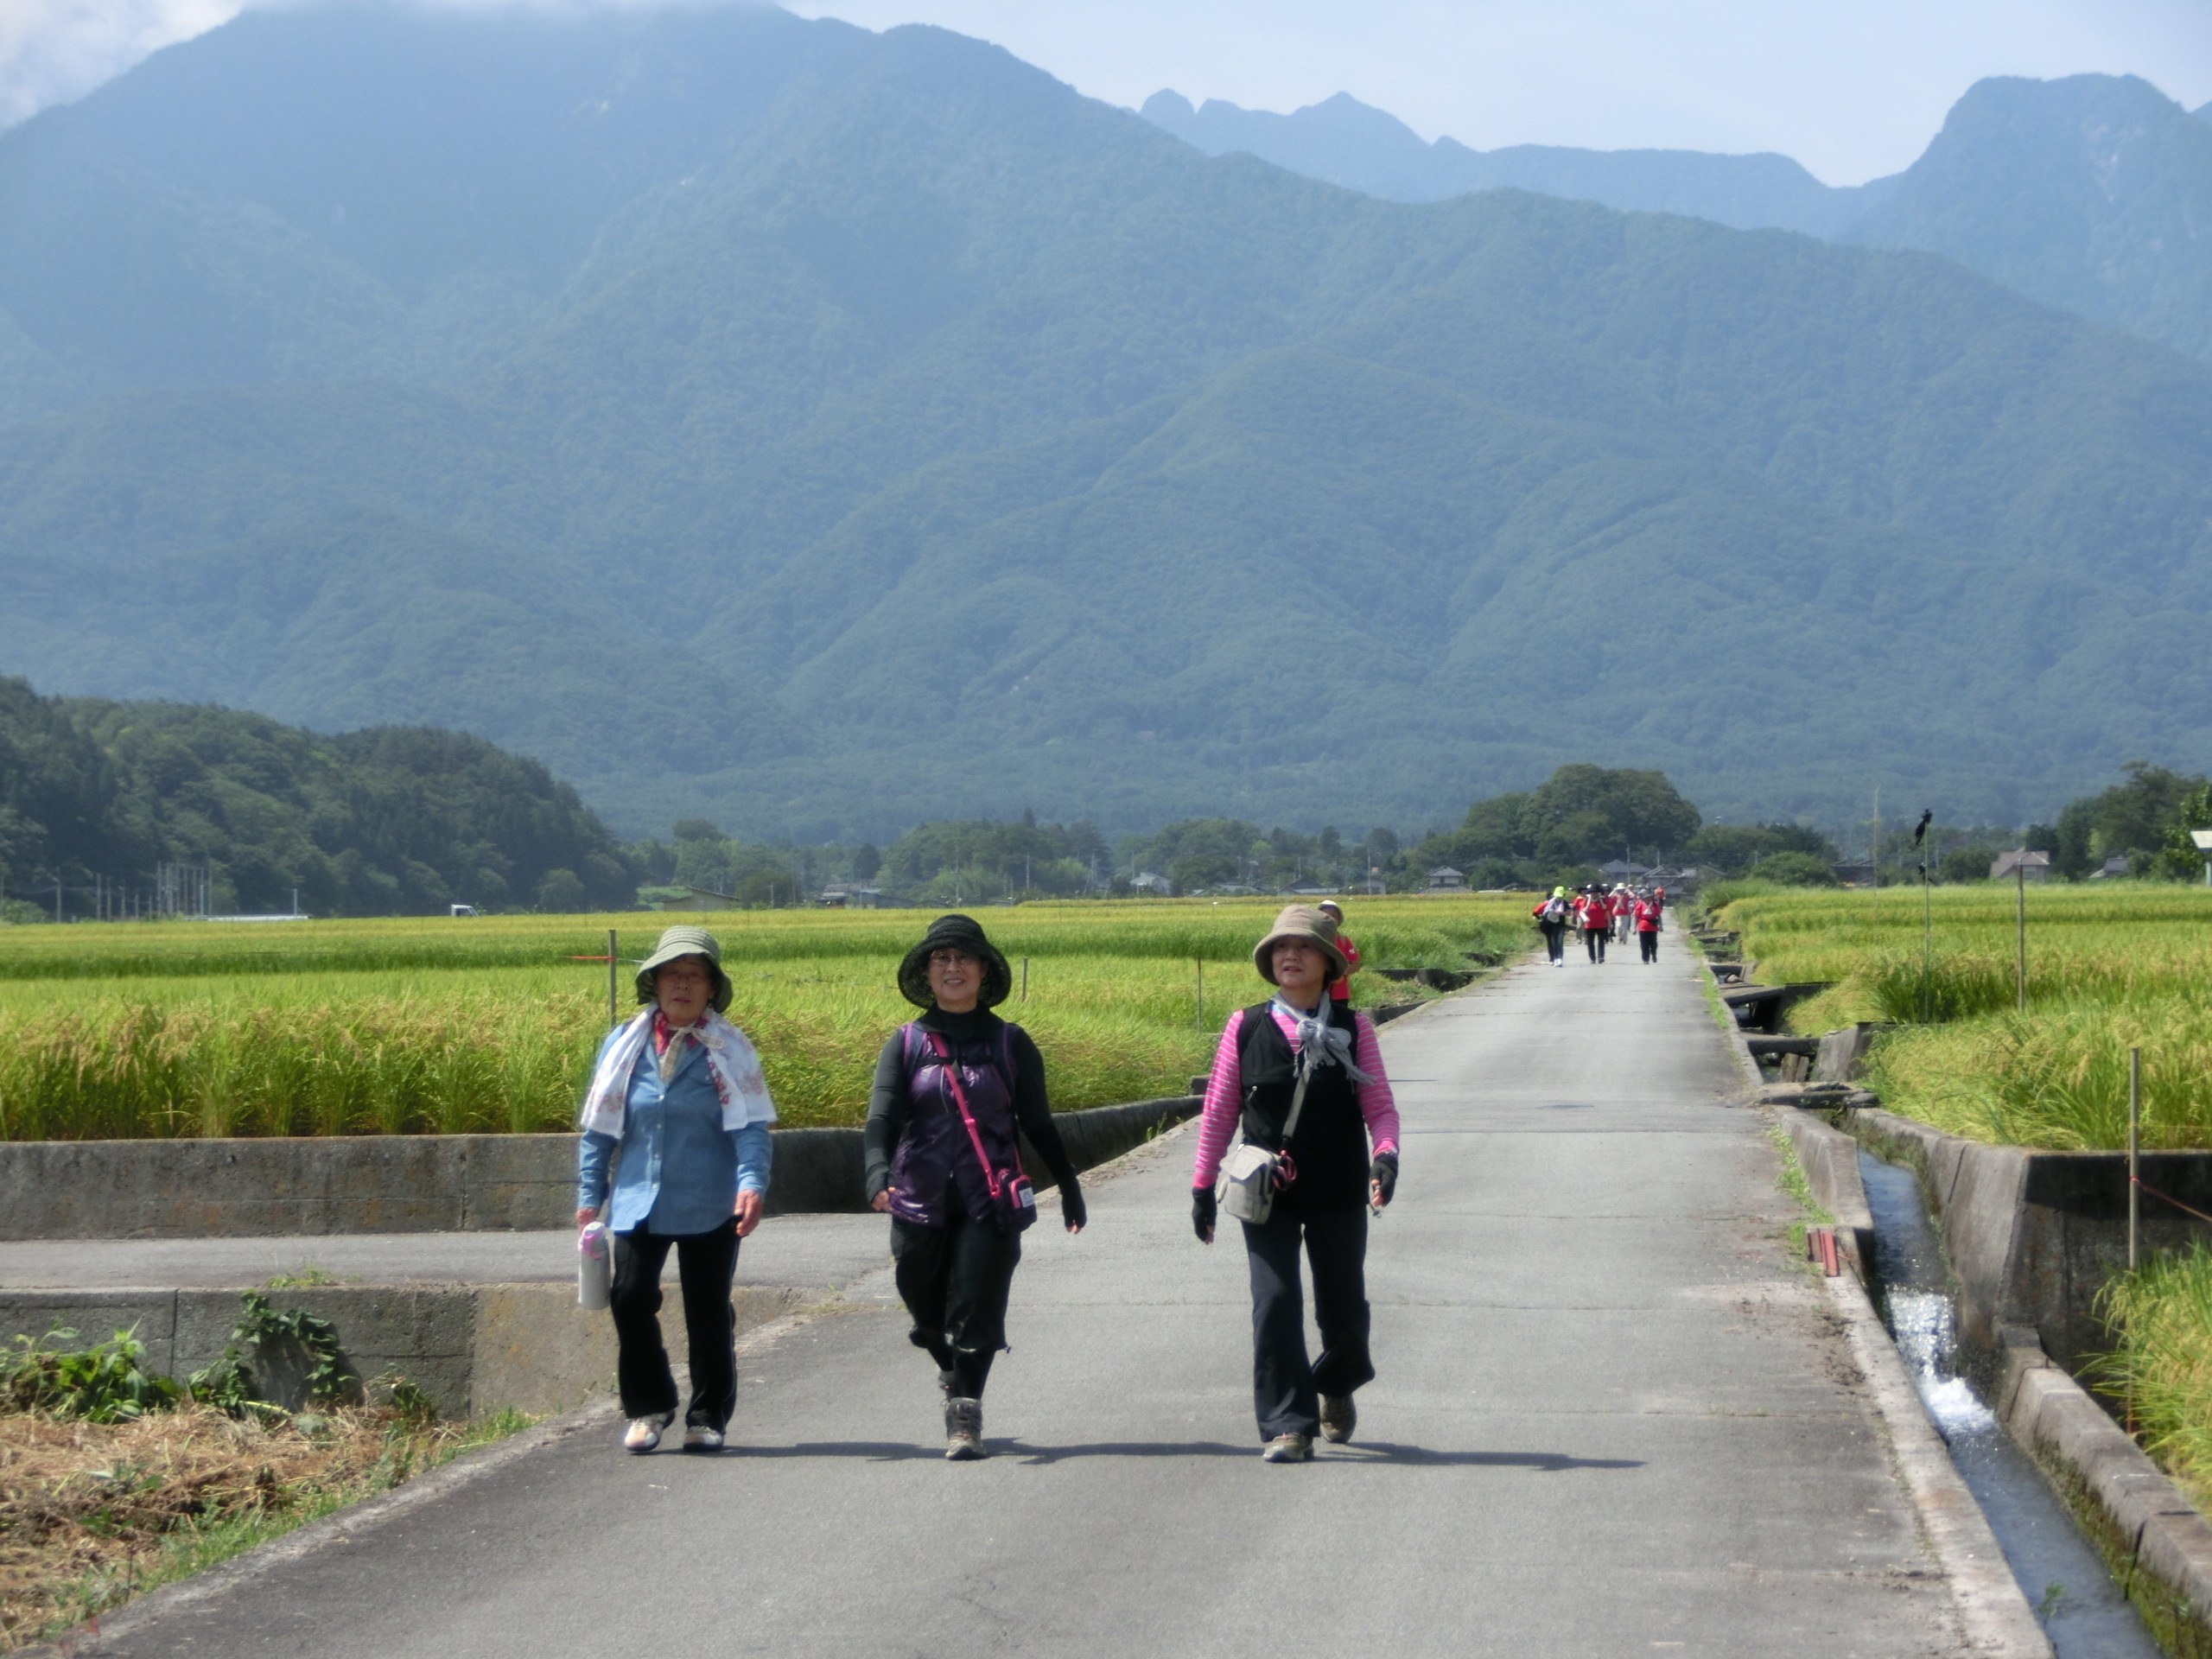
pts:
[945, 1163]
[1341, 1157]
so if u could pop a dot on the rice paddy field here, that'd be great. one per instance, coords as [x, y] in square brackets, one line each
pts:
[2109, 968]
[489, 1024]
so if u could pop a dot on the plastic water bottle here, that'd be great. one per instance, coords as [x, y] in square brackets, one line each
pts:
[595, 1266]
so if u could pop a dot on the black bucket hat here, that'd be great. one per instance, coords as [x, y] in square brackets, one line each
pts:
[954, 932]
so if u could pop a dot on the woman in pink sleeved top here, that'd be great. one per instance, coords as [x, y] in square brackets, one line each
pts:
[1343, 1159]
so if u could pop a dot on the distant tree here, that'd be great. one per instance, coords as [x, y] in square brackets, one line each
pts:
[1793, 869]
[1612, 809]
[1580, 816]
[697, 829]
[2183, 857]
[867, 861]
[1734, 848]
[2131, 818]
[560, 892]
[1964, 864]
[1203, 852]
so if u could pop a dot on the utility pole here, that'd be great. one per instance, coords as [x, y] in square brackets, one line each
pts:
[1927, 915]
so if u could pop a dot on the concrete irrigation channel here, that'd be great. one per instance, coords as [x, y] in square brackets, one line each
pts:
[1614, 1414]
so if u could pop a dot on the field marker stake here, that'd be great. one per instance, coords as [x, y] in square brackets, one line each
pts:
[613, 982]
[1201, 1015]
[2135, 1141]
[1025, 979]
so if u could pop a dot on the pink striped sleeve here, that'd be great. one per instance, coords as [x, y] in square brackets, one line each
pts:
[1376, 1105]
[1225, 1089]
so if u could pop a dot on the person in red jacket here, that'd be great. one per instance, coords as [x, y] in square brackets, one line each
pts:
[1340, 987]
[1596, 917]
[1647, 921]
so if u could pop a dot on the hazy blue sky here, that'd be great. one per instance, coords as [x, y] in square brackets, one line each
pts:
[1851, 89]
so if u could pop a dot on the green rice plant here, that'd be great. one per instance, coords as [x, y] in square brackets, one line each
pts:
[1903, 987]
[2056, 1076]
[2162, 1315]
[439, 1044]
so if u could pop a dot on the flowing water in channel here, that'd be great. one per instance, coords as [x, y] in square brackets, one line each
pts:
[2064, 1578]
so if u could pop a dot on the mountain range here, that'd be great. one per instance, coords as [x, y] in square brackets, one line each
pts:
[2093, 192]
[822, 431]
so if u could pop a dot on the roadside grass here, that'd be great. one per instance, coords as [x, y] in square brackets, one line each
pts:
[93, 1514]
[2162, 1366]
[1792, 1181]
[486, 1026]
[2108, 970]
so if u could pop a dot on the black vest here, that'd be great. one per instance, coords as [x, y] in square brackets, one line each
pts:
[1329, 1148]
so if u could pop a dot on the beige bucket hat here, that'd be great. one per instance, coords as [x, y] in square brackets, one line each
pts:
[1299, 922]
[680, 941]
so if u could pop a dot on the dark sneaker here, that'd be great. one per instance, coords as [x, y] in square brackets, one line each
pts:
[1288, 1448]
[1339, 1418]
[963, 1430]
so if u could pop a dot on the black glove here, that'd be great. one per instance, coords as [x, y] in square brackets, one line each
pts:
[1203, 1211]
[1073, 1212]
[1384, 1173]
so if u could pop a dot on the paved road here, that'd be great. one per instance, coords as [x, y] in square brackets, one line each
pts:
[1611, 1419]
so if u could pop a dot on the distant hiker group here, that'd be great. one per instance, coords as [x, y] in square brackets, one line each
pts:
[675, 1154]
[1600, 914]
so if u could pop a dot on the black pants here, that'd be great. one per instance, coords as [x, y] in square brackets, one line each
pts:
[1594, 938]
[955, 1280]
[1651, 943]
[705, 1264]
[1554, 939]
[1285, 1389]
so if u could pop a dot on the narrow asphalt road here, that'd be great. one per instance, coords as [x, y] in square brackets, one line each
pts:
[1612, 1417]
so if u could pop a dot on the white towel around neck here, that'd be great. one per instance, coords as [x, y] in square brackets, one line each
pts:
[731, 1060]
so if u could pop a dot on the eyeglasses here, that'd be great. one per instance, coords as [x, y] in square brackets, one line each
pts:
[953, 959]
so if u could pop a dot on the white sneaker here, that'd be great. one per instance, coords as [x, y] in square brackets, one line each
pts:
[643, 1434]
[697, 1436]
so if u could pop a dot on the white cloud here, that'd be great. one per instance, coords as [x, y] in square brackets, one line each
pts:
[52, 51]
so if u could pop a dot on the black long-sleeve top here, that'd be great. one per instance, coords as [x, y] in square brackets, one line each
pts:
[890, 1104]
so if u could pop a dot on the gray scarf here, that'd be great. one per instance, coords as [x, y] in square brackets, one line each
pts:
[1320, 1043]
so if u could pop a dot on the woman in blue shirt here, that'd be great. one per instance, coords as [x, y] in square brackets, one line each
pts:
[679, 1107]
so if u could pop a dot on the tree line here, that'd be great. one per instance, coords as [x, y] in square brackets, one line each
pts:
[96, 796]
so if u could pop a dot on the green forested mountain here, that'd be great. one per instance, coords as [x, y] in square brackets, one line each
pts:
[821, 432]
[1343, 141]
[2094, 193]
[384, 822]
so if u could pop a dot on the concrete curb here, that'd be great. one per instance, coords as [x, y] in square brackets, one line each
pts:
[2143, 1522]
[1830, 1161]
[310, 1185]
[1992, 1606]
[1738, 1045]
[2033, 1236]
[2150, 1526]
[1992, 1610]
